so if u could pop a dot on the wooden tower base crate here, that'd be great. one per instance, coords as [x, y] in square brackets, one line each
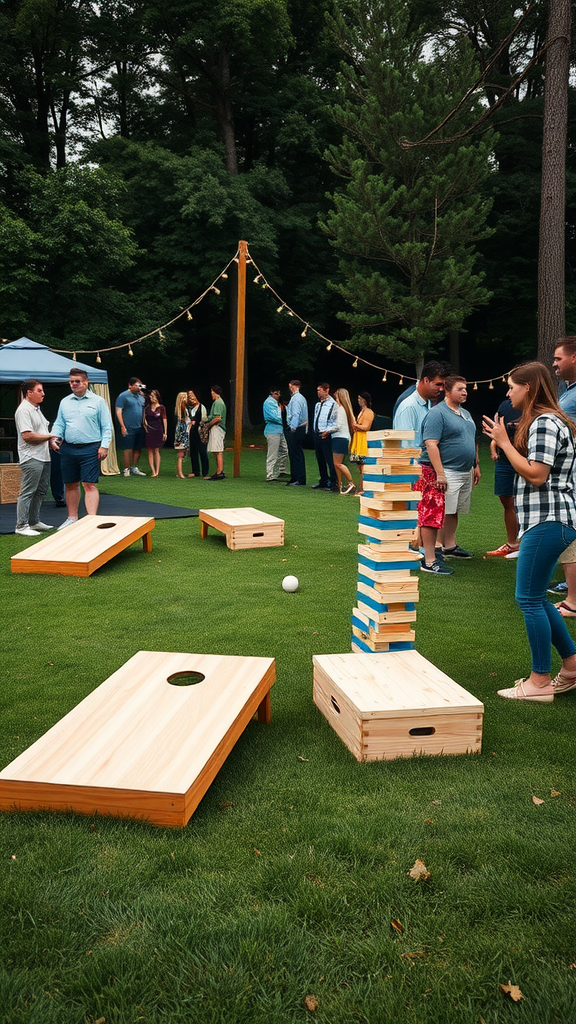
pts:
[396, 704]
[243, 527]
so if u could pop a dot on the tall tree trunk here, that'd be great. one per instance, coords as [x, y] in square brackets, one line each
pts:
[551, 252]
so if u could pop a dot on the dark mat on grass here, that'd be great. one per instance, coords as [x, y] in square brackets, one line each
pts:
[110, 505]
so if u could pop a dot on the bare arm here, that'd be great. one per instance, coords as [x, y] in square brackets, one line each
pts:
[535, 473]
[432, 447]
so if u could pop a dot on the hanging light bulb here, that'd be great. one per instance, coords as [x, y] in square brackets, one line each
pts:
[74, 356]
[98, 360]
[189, 315]
[290, 313]
[490, 386]
[355, 363]
[281, 308]
[257, 279]
[304, 332]
[236, 259]
[130, 352]
[475, 388]
[504, 379]
[401, 381]
[328, 346]
[161, 336]
[215, 289]
[224, 275]
[385, 377]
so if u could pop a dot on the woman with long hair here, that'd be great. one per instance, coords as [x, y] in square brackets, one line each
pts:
[542, 455]
[182, 431]
[155, 423]
[361, 425]
[341, 440]
[198, 456]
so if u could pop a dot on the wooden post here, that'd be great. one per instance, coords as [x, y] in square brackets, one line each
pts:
[240, 343]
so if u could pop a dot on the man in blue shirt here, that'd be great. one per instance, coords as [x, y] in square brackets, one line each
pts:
[85, 425]
[412, 411]
[325, 423]
[129, 409]
[296, 427]
[277, 455]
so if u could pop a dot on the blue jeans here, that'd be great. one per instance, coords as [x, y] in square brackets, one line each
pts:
[540, 548]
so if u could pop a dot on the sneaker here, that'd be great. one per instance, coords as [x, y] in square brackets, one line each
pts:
[137, 472]
[457, 552]
[26, 531]
[216, 476]
[505, 550]
[349, 489]
[437, 568]
[41, 527]
[126, 472]
[67, 522]
[558, 588]
[438, 556]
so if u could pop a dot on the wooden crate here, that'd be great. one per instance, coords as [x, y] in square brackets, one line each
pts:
[395, 704]
[10, 480]
[84, 546]
[139, 746]
[243, 527]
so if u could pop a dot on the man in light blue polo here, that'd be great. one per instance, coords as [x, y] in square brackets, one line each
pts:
[85, 425]
[412, 411]
[296, 427]
[277, 455]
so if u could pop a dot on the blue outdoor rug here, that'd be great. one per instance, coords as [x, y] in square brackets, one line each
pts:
[110, 505]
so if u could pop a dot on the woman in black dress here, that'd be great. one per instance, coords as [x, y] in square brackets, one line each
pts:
[155, 423]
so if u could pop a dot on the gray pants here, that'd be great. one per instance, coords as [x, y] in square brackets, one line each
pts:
[277, 455]
[35, 480]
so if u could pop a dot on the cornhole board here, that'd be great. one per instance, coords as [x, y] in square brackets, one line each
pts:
[10, 481]
[84, 546]
[139, 746]
[243, 527]
[396, 704]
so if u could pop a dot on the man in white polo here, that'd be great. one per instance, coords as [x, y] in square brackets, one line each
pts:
[34, 457]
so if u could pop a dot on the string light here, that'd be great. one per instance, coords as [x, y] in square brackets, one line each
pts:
[328, 346]
[281, 308]
[98, 360]
[224, 275]
[475, 388]
[385, 377]
[130, 352]
[401, 381]
[304, 332]
[215, 289]
[504, 379]
[355, 363]
[74, 357]
[189, 315]
[490, 386]
[161, 335]
[257, 279]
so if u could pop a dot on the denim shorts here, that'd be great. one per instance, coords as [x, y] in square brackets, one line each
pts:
[80, 462]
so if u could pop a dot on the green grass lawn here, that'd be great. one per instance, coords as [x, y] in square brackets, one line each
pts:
[286, 880]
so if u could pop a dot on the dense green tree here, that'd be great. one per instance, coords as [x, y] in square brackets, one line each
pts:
[411, 210]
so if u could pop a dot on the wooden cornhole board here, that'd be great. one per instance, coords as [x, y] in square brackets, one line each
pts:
[10, 481]
[139, 746]
[396, 704]
[243, 527]
[84, 546]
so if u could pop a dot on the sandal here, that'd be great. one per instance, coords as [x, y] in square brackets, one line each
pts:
[562, 683]
[566, 610]
[517, 692]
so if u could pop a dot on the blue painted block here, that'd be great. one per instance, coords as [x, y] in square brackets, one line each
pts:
[396, 646]
[384, 524]
[369, 461]
[403, 478]
[383, 566]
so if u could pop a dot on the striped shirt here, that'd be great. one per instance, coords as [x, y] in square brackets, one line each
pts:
[552, 443]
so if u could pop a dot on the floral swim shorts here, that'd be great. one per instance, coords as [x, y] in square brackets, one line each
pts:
[432, 503]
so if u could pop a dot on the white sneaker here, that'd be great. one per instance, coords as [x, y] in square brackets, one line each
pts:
[67, 522]
[42, 527]
[137, 472]
[26, 531]
[126, 472]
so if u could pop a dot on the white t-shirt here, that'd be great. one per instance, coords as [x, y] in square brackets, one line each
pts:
[29, 417]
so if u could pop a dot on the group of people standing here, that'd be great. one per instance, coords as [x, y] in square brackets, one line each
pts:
[143, 424]
[336, 433]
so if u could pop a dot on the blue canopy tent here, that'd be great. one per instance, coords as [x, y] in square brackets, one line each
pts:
[24, 358]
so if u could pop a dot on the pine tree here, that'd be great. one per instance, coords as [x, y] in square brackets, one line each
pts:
[408, 217]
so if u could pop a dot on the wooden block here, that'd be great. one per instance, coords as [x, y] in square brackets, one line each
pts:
[394, 540]
[391, 437]
[10, 481]
[393, 590]
[360, 646]
[244, 527]
[139, 746]
[370, 507]
[84, 546]
[396, 454]
[395, 704]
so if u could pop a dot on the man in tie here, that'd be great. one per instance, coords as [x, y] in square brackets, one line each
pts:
[325, 423]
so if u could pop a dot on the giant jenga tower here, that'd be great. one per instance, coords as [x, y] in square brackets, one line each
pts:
[387, 593]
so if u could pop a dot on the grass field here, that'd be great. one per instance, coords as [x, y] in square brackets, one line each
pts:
[286, 880]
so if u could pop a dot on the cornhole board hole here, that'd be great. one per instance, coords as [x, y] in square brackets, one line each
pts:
[84, 546]
[243, 527]
[147, 742]
[396, 704]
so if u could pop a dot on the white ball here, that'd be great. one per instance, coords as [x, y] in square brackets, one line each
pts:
[290, 584]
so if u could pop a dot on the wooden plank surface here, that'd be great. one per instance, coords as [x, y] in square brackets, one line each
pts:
[84, 546]
[244, 527]
[140, 746]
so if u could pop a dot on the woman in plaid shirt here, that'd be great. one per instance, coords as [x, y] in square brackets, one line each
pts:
[542, 456]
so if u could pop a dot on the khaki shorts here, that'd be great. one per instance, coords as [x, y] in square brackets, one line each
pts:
[216, 439]
[569, 554]
[459, 491]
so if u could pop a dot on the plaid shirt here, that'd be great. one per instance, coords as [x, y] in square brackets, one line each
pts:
[552, 443]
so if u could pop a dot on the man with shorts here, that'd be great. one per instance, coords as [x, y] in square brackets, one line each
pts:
[85, 425]
[449, 470]
[217, 427]
[129, 409]
[34, 458]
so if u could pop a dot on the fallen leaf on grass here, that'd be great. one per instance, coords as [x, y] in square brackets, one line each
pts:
[513, 991]
[226, 803]
[415, 955]
[419, 872]
[257, 852]
[435, 802]
[397, 925]
[428, 821]
[303, 758]
[311, 1003]
[555, 792]
[536, 800]
[101, 1020]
